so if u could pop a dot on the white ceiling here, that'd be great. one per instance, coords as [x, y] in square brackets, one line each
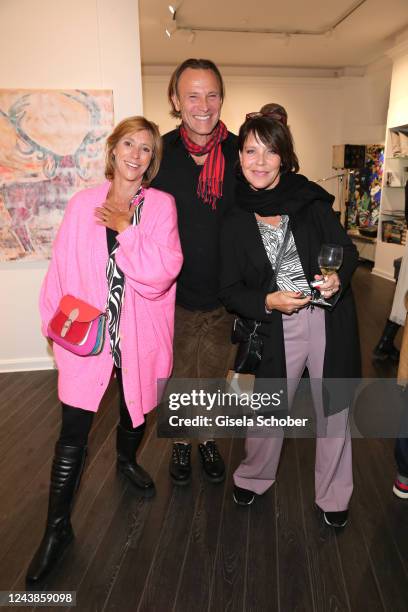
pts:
[360, 39]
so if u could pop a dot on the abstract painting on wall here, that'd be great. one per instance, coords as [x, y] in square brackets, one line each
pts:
[364, 191]
[51, 146]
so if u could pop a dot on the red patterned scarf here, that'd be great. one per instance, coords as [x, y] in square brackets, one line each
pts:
[209, 187]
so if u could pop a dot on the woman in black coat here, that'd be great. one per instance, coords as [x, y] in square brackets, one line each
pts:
[273, 199]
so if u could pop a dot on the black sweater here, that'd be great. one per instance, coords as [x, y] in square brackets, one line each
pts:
[197, 284]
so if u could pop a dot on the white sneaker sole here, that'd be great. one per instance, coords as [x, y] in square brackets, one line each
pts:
[399, 493]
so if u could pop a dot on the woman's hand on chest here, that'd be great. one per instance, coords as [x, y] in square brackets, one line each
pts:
[114, 218]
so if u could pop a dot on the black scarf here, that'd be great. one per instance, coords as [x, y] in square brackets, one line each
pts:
[293, 192]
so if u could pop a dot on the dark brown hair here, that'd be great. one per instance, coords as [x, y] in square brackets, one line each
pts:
[272, 108]
[273, 134]
[128, 126]
[195, 64]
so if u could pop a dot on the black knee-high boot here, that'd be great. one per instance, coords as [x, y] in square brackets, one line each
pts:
[385, 348]
[66, 471]
[127, 443]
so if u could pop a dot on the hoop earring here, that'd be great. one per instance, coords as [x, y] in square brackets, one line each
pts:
[113, 157]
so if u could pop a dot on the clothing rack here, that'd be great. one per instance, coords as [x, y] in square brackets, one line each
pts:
[342, 190]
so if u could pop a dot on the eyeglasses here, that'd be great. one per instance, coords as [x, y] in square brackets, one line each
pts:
[271, 115]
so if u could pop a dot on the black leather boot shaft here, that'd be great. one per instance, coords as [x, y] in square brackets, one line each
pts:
[127, 443]
[67, 467]
[385, 348]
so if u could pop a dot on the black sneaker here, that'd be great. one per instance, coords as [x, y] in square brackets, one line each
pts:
[243, 497]
[212, 462]
[338, 520]
[180, 463]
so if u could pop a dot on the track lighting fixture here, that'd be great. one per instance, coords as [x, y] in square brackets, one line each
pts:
[328, 30]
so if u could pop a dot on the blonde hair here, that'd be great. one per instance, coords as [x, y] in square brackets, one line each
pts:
[128, 126]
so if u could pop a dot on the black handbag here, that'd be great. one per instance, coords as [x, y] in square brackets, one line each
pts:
[250, 345]
[244, 331]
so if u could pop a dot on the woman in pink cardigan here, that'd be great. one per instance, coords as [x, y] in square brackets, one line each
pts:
[117, 248]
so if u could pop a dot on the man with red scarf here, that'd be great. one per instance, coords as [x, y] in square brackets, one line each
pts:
[198, 169]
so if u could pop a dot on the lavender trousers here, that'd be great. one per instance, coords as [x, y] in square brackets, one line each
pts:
[305, 342]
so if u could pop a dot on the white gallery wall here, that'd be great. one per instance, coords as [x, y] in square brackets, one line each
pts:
[398, 107]
[364, 104]
[90, 44]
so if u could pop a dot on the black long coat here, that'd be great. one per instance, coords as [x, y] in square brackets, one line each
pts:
[245, 277]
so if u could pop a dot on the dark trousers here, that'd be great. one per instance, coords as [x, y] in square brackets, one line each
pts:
[202, 343]
[77, 422]
[401, 456]
[202, 350]
[401, 443]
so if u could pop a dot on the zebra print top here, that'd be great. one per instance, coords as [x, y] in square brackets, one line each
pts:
[290, 276]
[116, 281]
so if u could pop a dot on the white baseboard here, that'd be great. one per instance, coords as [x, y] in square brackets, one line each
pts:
[26, 365]
[383, 274]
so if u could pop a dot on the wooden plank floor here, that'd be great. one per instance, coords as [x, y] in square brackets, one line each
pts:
[192, 548]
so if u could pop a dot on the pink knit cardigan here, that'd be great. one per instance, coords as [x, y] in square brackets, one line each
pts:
[150, 257]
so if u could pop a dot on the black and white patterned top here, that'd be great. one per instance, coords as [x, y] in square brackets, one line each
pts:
[290, 276]
[116, 281]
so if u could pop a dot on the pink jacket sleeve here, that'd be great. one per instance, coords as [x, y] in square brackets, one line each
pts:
[151, 257]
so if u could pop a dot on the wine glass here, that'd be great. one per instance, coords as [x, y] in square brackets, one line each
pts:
[329, 259]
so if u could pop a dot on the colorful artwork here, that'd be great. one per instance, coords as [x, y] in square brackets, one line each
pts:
[364, 192]
[51, 146]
